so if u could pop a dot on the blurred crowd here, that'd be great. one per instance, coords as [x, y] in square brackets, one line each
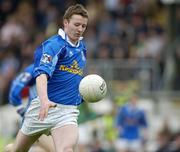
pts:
[118, 29]
[168, 141]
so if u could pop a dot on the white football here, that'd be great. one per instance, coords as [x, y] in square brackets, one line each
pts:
[92, 88]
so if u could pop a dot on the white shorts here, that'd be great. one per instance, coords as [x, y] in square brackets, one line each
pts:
[132, 145]
[57, 117]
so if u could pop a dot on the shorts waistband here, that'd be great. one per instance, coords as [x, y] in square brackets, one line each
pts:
[58, 104]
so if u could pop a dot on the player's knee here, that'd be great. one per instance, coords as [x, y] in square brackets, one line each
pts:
[37, 149]
[68, 149]
[9, 148]
[20, 149]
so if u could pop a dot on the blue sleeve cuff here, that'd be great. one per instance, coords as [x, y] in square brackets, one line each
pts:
[38, 71]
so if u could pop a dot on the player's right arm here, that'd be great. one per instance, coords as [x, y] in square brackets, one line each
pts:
[45, 61]
[41, 84]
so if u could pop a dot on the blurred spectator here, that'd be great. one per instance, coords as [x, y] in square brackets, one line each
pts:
[131, 125]
[96, 146]
[103, 51]
[8, 68]
[11, 30]
[175, 145]
[6, 8]
[163, 138]
[167, 141]
[176, 81]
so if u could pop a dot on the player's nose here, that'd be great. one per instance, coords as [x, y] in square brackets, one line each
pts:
[80, 29]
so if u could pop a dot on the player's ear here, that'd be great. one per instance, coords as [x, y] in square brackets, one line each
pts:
[65, 22]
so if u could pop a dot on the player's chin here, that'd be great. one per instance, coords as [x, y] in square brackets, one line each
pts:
[75, 39]
[77, 36]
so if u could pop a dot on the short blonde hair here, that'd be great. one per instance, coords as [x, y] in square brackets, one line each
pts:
[77, 9]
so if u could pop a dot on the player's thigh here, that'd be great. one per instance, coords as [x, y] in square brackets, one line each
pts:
[65, 137]
[24, 142]
[46, 142]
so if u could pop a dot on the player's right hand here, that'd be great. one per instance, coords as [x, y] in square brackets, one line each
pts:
[45, 108]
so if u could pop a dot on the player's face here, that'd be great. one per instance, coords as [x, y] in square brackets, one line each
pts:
[75, 27]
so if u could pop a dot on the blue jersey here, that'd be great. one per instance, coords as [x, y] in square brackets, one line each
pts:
[23, 80]
[63, 63]
[130, 120]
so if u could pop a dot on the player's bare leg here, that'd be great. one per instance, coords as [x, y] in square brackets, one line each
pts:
[43, 144]
[34, 148]
[65, 138]
[24, 142]
[46, 142]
